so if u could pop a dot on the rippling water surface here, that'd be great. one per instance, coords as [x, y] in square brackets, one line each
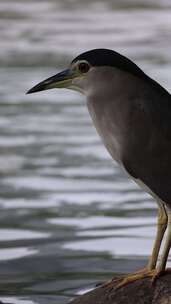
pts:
[69, 217]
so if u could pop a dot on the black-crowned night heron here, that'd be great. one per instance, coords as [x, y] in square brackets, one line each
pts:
[132, 114]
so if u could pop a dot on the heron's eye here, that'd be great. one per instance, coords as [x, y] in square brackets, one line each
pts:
[83, 67]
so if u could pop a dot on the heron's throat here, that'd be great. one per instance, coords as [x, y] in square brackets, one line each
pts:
[108, 129]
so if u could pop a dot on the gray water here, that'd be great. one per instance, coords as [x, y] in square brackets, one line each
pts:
[69, 216]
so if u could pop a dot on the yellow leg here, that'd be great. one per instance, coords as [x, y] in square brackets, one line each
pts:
[161, 228]
[164, 220]
[162, 264]
[150, 270]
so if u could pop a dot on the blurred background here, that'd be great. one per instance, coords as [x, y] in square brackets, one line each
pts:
[69, 218]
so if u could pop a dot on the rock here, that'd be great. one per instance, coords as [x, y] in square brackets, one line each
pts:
[138, 292]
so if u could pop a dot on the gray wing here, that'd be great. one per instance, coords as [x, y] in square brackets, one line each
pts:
[148, 146]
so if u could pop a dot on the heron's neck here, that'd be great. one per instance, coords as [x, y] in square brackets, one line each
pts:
[111, 109]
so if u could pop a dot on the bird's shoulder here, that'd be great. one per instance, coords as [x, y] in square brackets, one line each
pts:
[157, 106]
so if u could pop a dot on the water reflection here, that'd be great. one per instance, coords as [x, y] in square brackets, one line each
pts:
[69, 217]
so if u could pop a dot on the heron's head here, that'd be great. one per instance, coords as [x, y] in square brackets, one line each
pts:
[88, 71]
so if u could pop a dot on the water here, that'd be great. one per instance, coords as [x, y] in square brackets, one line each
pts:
[69, 217]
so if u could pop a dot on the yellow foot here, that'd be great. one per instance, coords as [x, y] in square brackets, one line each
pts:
[136, 276]
[158, 273]
[130, 278]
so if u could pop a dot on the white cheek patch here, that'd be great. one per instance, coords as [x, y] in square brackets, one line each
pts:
[75, 88]
[78, 84]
